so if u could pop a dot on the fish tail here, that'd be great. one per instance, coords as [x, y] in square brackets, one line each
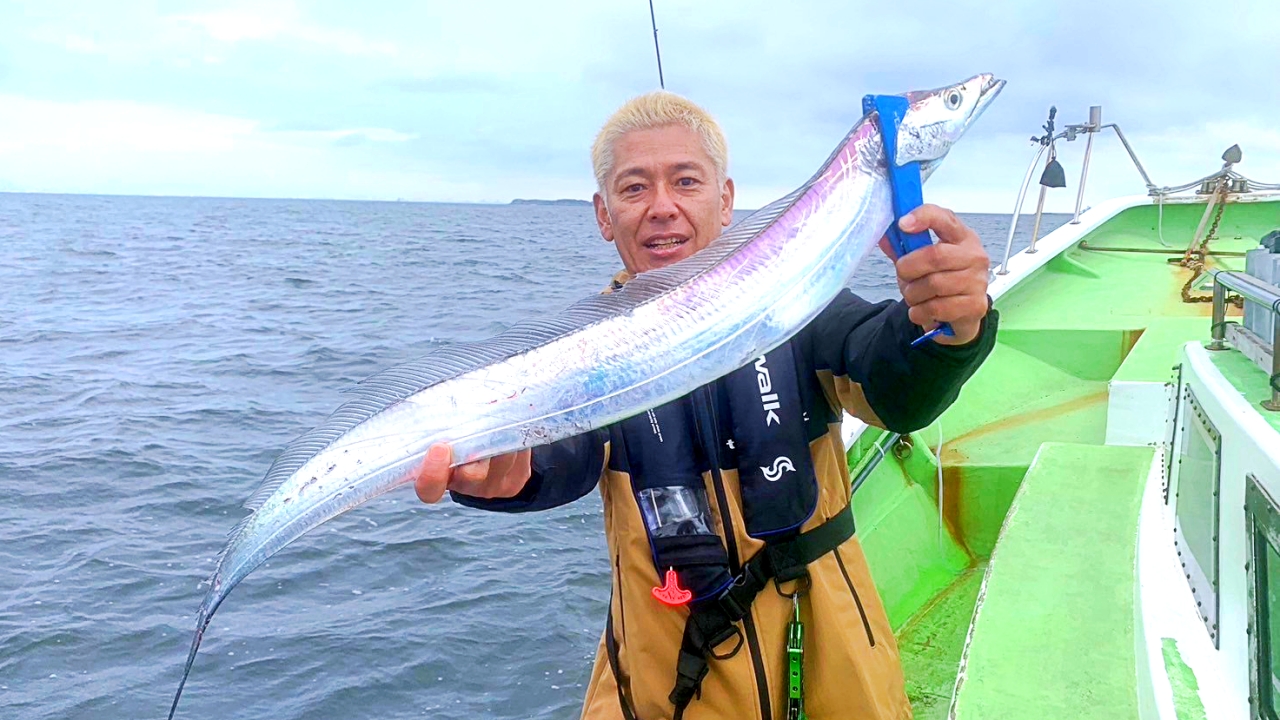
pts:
[202, 623]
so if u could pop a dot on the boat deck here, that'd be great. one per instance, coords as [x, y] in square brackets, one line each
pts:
[1061, 577]
[1102, 314]
[933, 643]
[1249, 379]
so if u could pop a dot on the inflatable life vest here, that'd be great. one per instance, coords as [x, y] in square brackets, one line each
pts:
[755, 419]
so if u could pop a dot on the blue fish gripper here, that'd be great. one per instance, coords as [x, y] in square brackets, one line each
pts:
[904, 180]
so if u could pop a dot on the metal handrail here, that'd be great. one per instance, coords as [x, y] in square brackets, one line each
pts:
[1262, 293]
[1017, 210]
[1090, 129]
[1132, 156]
[1221, 183]
[1245, 184]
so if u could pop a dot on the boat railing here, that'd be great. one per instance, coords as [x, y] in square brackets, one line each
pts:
[1217, 185]
[1053, 176]
[1265, 295]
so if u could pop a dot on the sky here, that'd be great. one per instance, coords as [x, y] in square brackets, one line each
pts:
[488, 101]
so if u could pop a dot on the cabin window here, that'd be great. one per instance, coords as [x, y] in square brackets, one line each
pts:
[1264, 601]
[1196, 519]
[1273, 630]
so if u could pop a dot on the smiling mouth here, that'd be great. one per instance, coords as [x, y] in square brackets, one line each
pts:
[665, 243]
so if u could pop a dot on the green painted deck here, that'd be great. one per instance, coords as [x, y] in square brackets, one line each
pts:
[1248, 378]
[933, 642]
[1154, 355]
[1086, 319]
[1059, 599]
[1186, 689]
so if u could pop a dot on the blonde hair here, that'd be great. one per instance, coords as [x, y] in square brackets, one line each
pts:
[653, 110]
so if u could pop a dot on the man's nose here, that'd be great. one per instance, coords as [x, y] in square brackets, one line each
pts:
[664, 203]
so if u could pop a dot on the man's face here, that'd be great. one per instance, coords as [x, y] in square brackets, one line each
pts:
[664, 201]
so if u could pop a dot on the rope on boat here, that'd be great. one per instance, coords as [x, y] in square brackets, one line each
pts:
[1160, 219]
[1247, 184]
[1084, 245]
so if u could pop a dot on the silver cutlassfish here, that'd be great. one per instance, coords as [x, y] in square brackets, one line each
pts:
[605, 358]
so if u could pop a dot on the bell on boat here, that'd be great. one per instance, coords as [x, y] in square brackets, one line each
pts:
[1053, 176]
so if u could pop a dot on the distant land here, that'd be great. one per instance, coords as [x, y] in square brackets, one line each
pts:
[562, 201]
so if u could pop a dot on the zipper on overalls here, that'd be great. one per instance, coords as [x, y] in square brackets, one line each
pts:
[710, 438]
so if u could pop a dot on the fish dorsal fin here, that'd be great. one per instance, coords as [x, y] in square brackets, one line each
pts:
[390, 386]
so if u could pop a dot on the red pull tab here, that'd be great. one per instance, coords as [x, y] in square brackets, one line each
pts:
[671, 593]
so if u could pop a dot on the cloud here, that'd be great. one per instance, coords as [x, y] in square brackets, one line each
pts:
[350, 138]
[132, 148]
[480, 101]
[281, 21]
[80, 44]
[453, 84]
[28, 127]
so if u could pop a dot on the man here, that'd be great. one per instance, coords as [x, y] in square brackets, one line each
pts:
[687, 514]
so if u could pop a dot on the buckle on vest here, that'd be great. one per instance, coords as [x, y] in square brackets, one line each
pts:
[737, 598]
[690, 669]
[734, 607]
[707, 631]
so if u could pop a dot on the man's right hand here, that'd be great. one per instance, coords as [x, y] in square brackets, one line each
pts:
[503, 476]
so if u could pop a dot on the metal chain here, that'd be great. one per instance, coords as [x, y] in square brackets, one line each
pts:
[1193, 259]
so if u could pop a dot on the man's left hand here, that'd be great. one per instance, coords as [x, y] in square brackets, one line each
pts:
[947, 281]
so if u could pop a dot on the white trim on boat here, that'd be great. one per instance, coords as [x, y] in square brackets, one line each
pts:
[1166, 609]
[1248, 448]
[1136, 412]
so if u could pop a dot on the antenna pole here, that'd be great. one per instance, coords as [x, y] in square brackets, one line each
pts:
[656, 51]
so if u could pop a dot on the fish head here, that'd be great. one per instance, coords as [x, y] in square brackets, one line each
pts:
[936, 119]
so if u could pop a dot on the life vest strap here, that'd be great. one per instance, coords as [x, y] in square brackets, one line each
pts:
[712, 623]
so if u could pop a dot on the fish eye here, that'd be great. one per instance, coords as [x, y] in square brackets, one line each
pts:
[953, 100]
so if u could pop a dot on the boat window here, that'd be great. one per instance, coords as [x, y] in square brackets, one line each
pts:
[1264, 601]
[1273, 628]
[1196, 519]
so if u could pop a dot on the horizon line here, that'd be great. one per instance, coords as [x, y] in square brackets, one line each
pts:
[491, 203]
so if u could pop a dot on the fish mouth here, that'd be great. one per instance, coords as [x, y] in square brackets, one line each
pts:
[991, 87]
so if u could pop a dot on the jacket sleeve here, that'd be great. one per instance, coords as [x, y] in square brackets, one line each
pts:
[561, 472]
[870, 344]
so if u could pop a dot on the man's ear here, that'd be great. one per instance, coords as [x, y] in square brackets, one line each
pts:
[726, 203]
[603, 221]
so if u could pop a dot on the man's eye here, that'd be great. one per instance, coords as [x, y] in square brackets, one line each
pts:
[687, 182]
[634, 188]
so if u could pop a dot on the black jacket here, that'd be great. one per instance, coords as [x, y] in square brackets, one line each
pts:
[850, 342]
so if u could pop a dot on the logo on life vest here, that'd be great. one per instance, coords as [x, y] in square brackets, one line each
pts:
[767, 396]
[780, 465]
